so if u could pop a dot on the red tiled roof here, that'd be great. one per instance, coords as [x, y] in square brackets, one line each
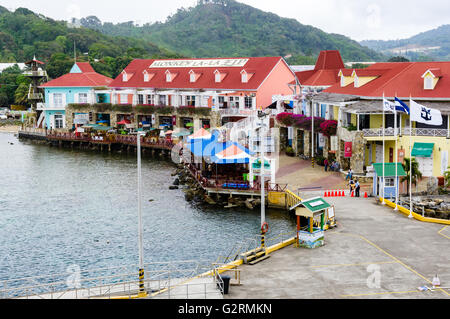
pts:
[260, 66]
[401, 79]
[329, 60]
[88, 78]
[325, 72]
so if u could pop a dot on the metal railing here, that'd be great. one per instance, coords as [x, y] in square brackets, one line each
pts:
[227, 183]
[405, 131]
[185, 279]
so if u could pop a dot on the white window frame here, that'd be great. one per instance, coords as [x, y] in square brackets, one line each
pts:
[58, 100]
[83, 98]
[163, 100]
[59, 121]
[389, 182]
[123, 98]
[244, 77]
[248, 102]
[428, 83]
[190, 100]
[151, 99]
[140, 99]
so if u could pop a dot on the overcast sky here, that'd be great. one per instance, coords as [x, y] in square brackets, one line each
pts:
[357, 19]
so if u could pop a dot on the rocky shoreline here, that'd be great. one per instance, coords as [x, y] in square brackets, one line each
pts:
[193, 192]
[430, 206]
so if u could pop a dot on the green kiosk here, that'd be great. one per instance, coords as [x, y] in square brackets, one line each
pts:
[313, 209]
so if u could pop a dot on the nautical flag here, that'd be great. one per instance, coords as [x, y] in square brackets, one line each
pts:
[425, 115]
[388, 106]
[401, 106]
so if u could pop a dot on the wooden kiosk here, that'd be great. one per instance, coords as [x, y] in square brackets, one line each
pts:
[313, 209]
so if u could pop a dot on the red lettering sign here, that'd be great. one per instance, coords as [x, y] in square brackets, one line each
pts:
[348, 150]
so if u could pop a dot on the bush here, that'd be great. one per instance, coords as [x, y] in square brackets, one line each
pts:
[125, 108]
[80, 106]
[145, 109]
[164, 109]
[102, 107]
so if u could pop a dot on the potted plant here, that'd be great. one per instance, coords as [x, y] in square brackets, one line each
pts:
[290, 151]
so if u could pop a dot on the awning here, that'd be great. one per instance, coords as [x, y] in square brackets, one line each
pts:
[201, 134]
[422, 149]
[389, 169]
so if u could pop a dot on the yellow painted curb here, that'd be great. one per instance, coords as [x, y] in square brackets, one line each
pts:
[406, 212]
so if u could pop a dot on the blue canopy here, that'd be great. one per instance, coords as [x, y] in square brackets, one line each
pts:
[208, 148]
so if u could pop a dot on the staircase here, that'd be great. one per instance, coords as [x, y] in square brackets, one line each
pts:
[254, 256]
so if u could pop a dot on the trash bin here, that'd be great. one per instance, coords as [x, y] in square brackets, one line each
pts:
[226, 284]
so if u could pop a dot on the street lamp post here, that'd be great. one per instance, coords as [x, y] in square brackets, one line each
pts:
[140, 224]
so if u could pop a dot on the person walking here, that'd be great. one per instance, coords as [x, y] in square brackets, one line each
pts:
[325, 162]
[357, 187]
[349, 174]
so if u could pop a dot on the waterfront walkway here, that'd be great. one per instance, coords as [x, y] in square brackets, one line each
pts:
[299, 174]
[373, 253]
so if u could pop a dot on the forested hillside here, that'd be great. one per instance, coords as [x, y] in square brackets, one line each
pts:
[430, 45]
[24, 34]
[218, 28]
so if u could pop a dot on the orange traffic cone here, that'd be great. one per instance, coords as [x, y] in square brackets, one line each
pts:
[325, 194]
[353, 194]
[343, 193]
[365, 195]
[340, 193]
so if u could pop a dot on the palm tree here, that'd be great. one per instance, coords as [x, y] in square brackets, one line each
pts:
[21, 94]
[447, 177]
[416, 174]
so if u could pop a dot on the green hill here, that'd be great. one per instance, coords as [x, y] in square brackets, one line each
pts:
[218, 28]
[430, 45]
[24, 34]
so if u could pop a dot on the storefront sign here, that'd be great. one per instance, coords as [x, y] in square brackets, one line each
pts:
[348, 150]
[218, 63]
[81, 118]
[334, 143]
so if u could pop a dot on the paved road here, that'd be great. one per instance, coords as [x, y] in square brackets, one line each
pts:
[371, 242]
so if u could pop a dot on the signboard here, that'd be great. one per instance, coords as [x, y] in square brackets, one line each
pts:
[334, 143]
[213, 63]
[81, 118]
[321, 140]
[348, 150]
[153, 119]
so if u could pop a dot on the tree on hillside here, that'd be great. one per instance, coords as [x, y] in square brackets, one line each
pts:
[398, 59]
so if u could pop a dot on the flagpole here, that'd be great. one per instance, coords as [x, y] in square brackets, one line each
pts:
[384, 182]
[410, 160]
[396, 157]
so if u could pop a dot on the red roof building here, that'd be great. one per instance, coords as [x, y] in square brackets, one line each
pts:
[424, 80]
[81, 75]
[325, 73]
[224, 83]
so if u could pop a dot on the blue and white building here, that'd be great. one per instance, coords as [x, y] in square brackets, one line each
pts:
[76, 87]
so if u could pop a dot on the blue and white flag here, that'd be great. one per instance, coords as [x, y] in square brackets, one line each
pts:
[401, 106]
[425, 115]
[388, 106]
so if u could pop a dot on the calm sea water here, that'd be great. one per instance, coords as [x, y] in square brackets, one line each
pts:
[61, 207]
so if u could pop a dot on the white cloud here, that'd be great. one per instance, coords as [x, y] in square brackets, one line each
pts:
[358, 19]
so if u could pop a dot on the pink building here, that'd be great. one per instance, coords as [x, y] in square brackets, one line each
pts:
[232, 86]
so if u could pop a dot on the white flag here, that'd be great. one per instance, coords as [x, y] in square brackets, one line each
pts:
[388, 106]
[425, 115]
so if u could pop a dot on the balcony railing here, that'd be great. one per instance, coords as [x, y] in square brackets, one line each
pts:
[406, 131]
[35, 73]
[237, 112]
